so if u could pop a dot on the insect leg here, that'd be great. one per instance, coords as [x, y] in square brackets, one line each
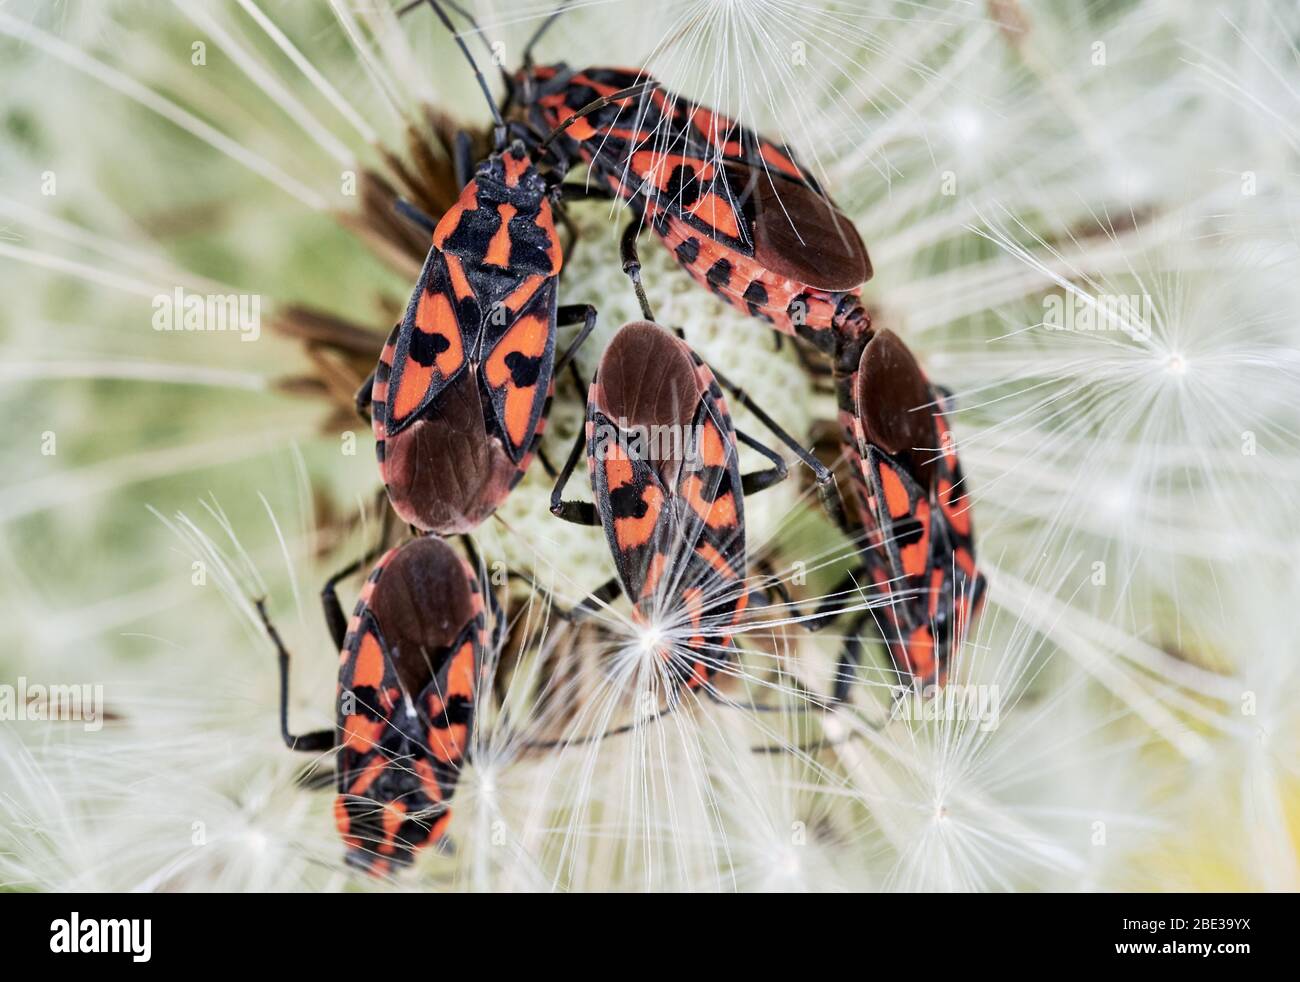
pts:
[414, 215]
[364, 397]
[773, 584]
[756, 481]
[334, 617]
[315, 742]
[537, 35]
[572, 314]
[632, 262]
[830, 609]
[628, 241]
[826, 487]
[574, 191]
[850, 658]
[463, 157]
[578, 512]
[602, 596]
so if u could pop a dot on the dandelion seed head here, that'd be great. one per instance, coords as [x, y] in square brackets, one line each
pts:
[650, 639]
[966, 125]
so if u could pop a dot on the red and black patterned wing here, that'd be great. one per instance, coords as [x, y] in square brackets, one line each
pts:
[658, 119]
[641, 405]
[710, 489]
[711, 590]
[784, 226]
[632, 503]
[407, 677]
[952, 494]
[918, 497]
[428, 349]
[517, 368]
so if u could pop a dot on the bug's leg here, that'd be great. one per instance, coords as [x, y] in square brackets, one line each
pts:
[632, 262]
[364, 396]
[575, 191]
[317, 779]
[774, 584]
[335, 619]
[850, 658]
[334, 616]
[602, 596]
[485, 587]
[584, 741]
[756, 481]
[547, 466]
[463, 157]
[827, 490]
[572, 314]
[627, 242]
[414, 215]
[316, 742]
[831, 608]
[542, 29]
[578, 512]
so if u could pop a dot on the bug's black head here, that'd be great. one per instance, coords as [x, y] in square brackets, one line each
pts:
[510, 178]
[532, 82]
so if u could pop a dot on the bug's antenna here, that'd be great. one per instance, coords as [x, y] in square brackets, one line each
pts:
[629, 93]
[537, 35]
[491, 52]
[499, 128]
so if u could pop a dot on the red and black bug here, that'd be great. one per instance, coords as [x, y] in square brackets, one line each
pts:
[459, 399]
[409, 662]
[919, 542]
[748, 221]
[661, 453]
[736, 209]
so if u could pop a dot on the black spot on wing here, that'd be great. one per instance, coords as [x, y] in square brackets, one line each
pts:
[473, 232]
[524, 370]
[719, 274]
[683, 187]
[426, 347]
[367, 703]
[688, 252]
[528, 249]
[628, 501]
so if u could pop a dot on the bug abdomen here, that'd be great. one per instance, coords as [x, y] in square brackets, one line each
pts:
[789, 306]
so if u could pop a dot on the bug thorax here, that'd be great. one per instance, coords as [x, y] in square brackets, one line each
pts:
[509, 178]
